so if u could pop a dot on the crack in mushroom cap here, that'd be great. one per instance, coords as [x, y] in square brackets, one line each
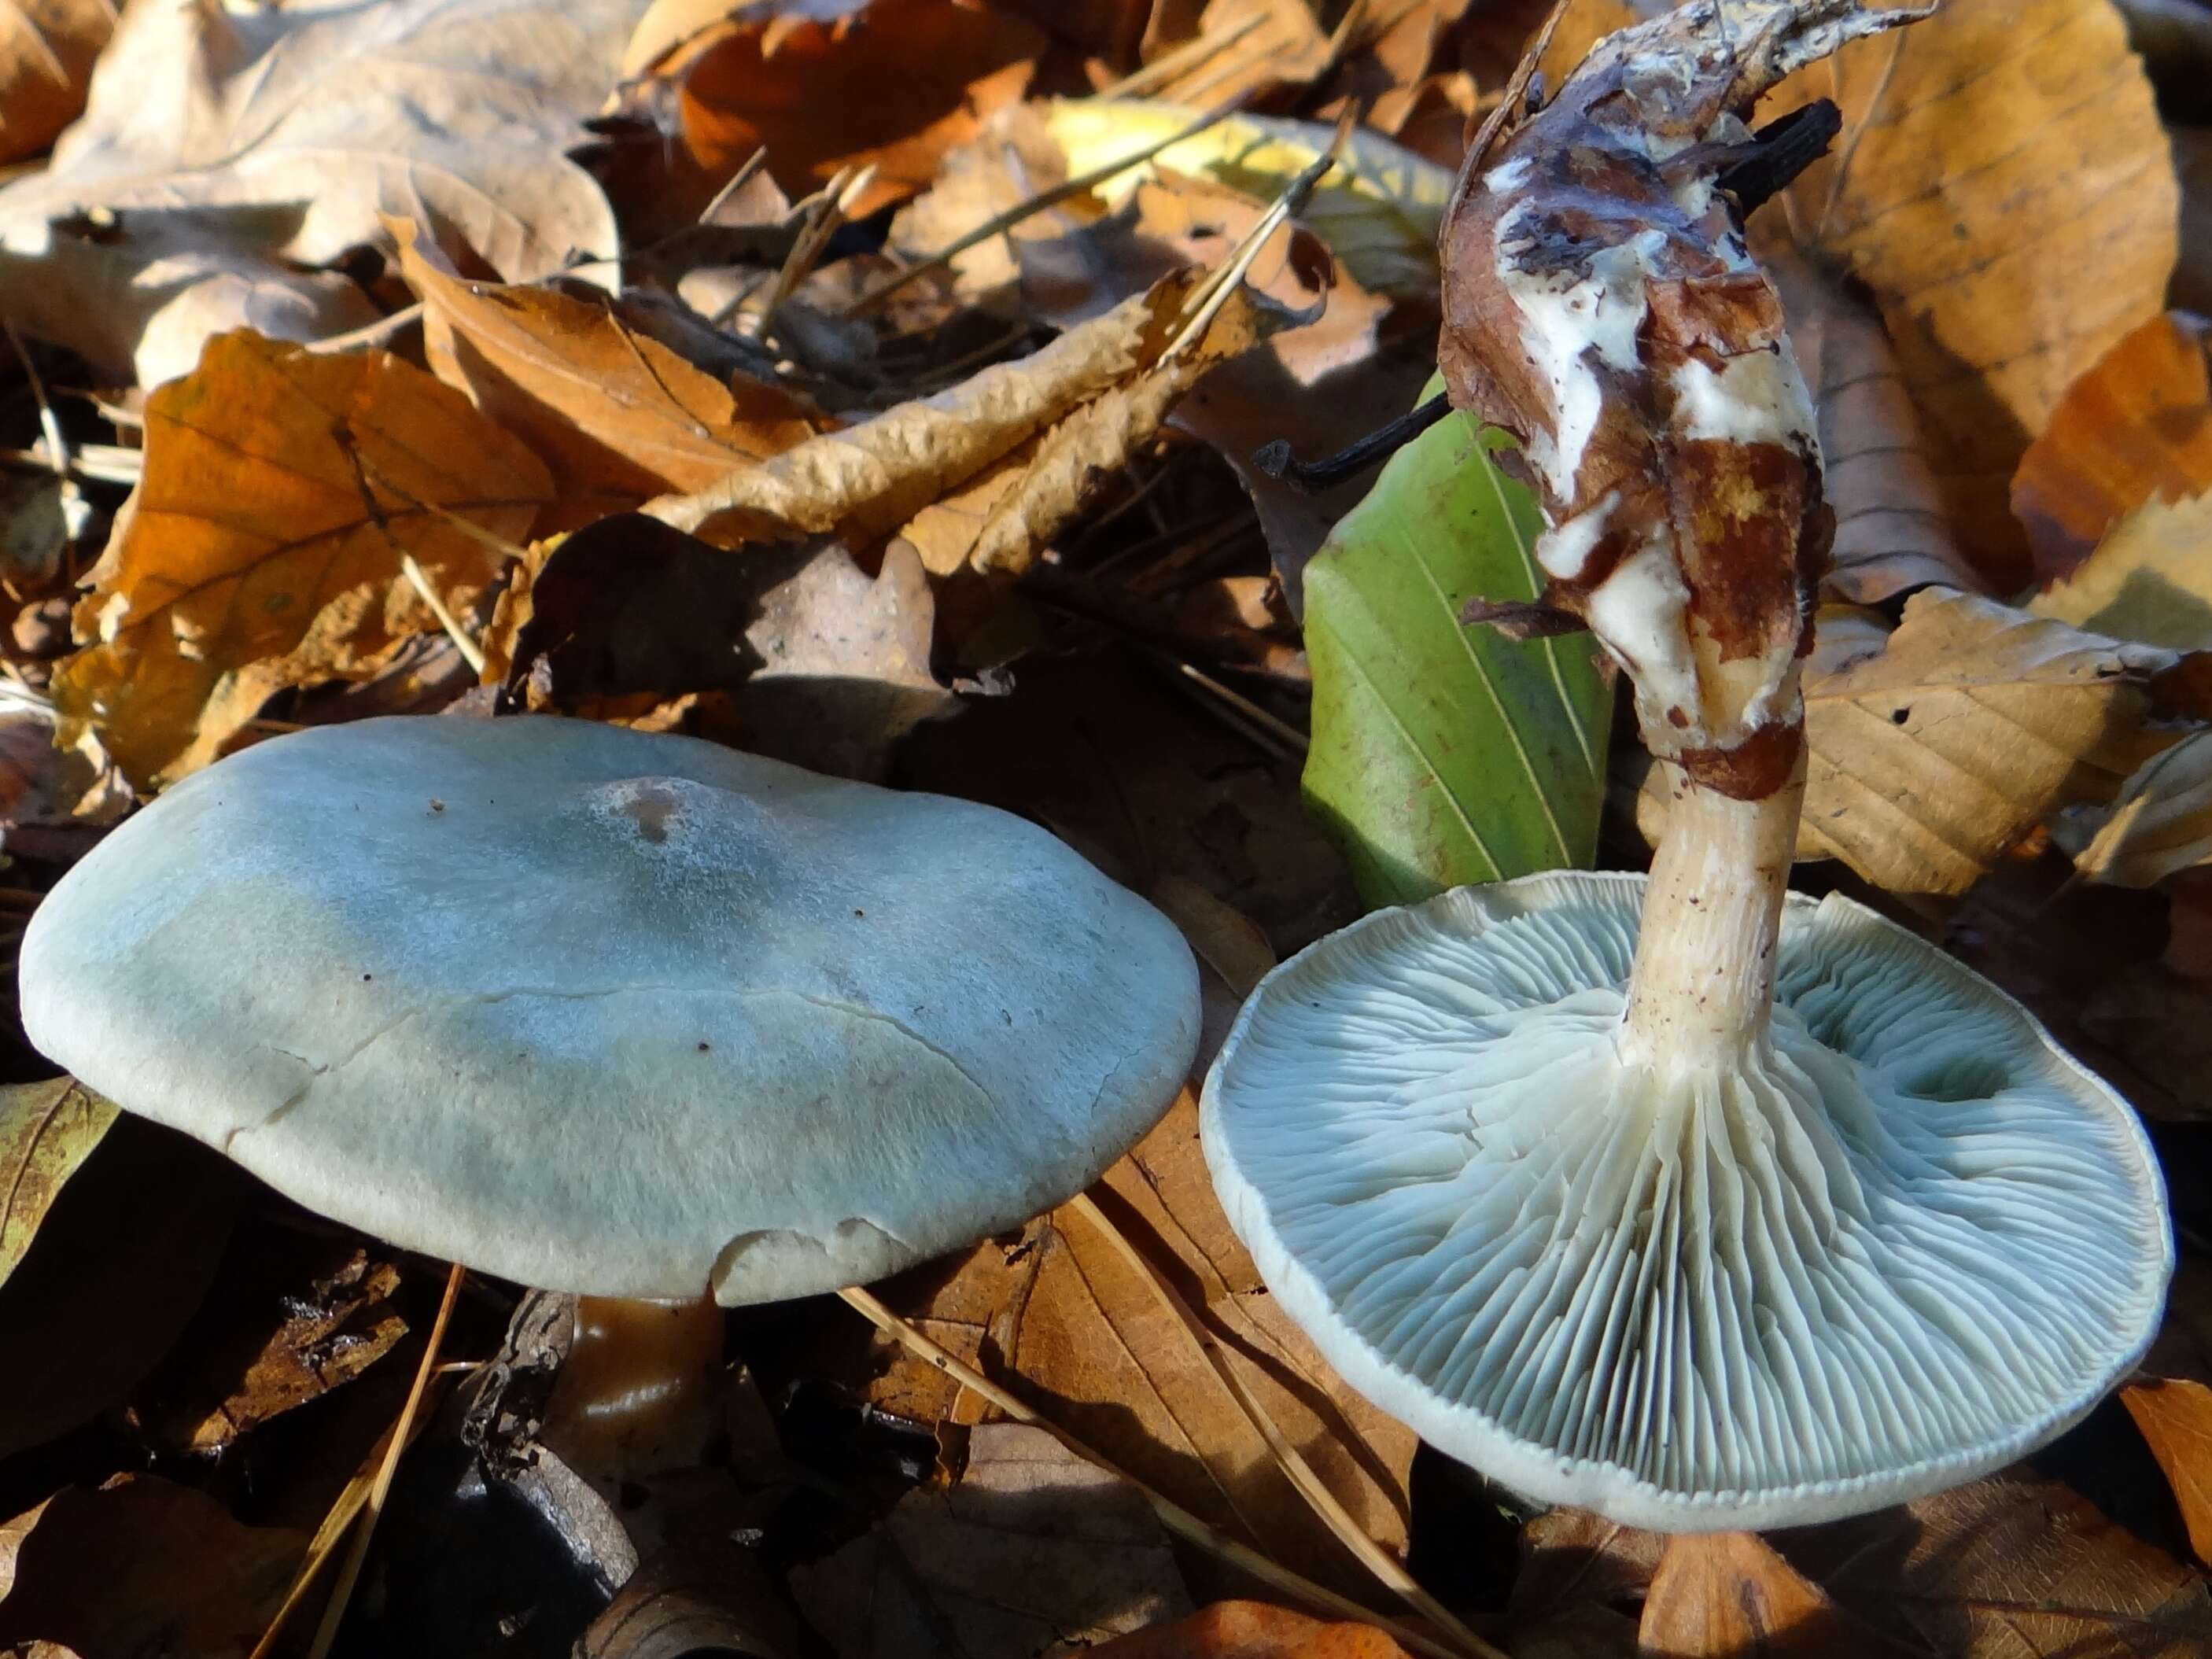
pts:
[1911, 1241]
[613, 1012]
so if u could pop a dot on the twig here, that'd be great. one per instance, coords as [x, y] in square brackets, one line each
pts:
[342, 1592]
[835, 202]
[1173, 1515]
[1165, 68]
[1281, 730]
[877, 293]
[369, 334]
[322, 1549]
[471, 653]
[1387, 1568]
[1205, 302]
[736, 182]
[1312, 477]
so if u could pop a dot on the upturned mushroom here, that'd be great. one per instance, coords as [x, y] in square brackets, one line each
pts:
[1681, 1198]
[626, 1015]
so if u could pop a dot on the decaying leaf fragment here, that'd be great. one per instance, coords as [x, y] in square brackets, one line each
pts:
[1600, 303]
[262, 546]
[1728, 1592]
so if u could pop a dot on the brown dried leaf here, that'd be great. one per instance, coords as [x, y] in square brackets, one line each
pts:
[618, 416]
[241, 149]
[1078, 404]
[2012, 1567]
[1031, 1547]
[46, 53]
[250, 558]
[1252, 1629]
[2137, 427]
[1065, 1318]
[1984, 150]
[140, 1567]
[888, 83]
[1974, 723]
[46, 1130]
[1727, 1595]
[2175, 1417]
[1893, 533]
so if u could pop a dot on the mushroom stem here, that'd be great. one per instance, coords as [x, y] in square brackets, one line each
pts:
[1703, 985]
[636, 1393]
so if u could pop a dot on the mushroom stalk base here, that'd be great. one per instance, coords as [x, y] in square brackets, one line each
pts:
[1703, 987]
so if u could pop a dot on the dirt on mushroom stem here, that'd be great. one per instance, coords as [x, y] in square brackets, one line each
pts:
[1602, 304]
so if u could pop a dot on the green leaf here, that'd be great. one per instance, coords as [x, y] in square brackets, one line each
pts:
[1443, 754]
[46, 1130]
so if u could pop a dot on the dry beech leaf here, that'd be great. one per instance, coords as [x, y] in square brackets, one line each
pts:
[1893, 533]
[46, 53]
[1974, 723]
[1986, 152]
[2158, 823]
[617, 414]
[1031, 1547]
[1064, 1318]
[2175, 1417]
[1252, 1629]
[46, 1130]
[1727, 1595]
[248, 144]
[888, 83]
[2012, 1567]
[1078, 404]
[249, 557]
[2150, 579]
[140, 1567]
[2137, 427]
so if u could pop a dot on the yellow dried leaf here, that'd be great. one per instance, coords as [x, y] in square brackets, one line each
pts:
[262, 546]
[2150, 579]
[2158, 824]
[2005, 187]
[1379, 210]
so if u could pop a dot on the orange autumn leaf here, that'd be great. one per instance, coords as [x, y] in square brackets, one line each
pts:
[46, 53]
[618, 415]
[894, 83]
[262, 547]
[2137, 427]
[2175, 1417]
[1727, 1595]
[1252, 1629]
